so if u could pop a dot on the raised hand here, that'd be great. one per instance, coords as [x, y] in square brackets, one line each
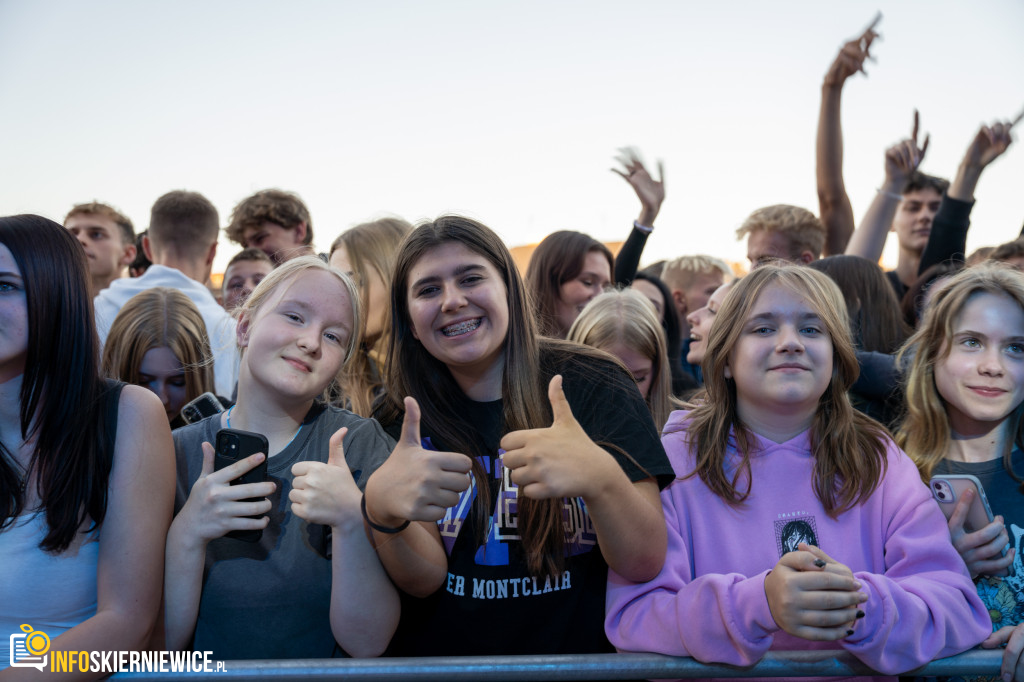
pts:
[559, 461]
[980, 550]
[852, 56]
[415, 484]
[215, 507]
[649, 191]
[903, 158]
[326, 493]
[813, 596]
[989, 143]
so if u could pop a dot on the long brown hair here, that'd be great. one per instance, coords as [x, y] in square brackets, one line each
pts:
[848, 447]
[925, 430]
[412, 371]
[559, 258]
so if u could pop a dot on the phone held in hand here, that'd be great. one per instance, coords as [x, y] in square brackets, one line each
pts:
[234, 445]
[948, 488]
[202, 407]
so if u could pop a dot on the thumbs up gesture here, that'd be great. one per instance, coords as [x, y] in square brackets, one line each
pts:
[326, 493]
[415, 484]
[559, 461]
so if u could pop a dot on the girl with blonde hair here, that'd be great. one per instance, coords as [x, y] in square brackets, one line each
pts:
[776, 469]
[965, 415]
[158, 341]
[624, 323]
[367, 253]
[310, 585]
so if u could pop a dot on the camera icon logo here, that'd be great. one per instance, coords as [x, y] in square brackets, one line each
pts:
[29, 648]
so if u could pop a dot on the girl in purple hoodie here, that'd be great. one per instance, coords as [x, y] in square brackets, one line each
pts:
[795, 522]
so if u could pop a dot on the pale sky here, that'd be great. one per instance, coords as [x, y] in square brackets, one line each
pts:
[509, 112]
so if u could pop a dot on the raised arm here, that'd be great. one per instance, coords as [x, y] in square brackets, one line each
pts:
[129, 572]
[948, 239]
[651, 194]
[833, 202]
[901, 160]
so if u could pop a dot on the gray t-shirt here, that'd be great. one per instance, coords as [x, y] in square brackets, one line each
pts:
[271, 599]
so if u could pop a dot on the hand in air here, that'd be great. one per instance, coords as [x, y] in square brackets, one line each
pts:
[903, 158]
[649, 191]
[559, 461]
[813, 596]
[415, 484]
[326, 493]
[852, 55]
[980, 549]
[1012, 636]
[990, 142]
[215, 507]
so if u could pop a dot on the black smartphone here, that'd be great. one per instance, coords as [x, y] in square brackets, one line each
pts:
[233, 445]
[202, 407]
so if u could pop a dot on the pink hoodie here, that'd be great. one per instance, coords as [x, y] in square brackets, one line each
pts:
[709, 602]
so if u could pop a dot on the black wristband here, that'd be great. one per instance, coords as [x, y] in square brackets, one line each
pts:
[377, 527]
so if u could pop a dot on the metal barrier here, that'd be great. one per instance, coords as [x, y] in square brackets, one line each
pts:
[567, 667]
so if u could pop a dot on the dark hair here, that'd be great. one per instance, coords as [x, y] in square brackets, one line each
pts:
[912, 304]
[141, 263]
[876, 320]
[556, 260]
[61, 401]
[1007, 250]
[413, 371]
[673, 340]
[919, 180]
[184, 222]
[249, 254]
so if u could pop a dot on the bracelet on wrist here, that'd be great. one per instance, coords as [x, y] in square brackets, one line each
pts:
[377, 527]
[642, 228]
[891, 195]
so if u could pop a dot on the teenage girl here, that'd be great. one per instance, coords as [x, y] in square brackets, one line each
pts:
[366, 253]
[86, 465]
[312, 579]
[625, 324]
[561, 453]
[965, 402]
[158, 341]
[566, 270]
[796, 523]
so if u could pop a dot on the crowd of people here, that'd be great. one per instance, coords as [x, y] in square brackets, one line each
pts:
[457, 458]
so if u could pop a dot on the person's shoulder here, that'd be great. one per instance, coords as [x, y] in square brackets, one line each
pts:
[204, 429]
[333, 418]
[574, 361]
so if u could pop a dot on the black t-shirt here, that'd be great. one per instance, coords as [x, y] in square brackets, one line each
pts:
[490, 604]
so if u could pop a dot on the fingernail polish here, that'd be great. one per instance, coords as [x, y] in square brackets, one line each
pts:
[849, 632]
[819, 563]
[860, 614]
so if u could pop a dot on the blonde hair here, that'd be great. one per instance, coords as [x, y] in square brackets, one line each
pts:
[281, 277]
[680, 272]
[925, 431]
[629, 318]
[372, 245]
[803, 229]
[160, 318]
[849, 448]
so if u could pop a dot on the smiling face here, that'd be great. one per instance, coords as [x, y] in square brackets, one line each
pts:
[913, 221]
[574, 294]
[458, 310]
[700, 324]
[782, 361]
[13, 318]
[295, 342]
[161, 372]
[981, 379]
